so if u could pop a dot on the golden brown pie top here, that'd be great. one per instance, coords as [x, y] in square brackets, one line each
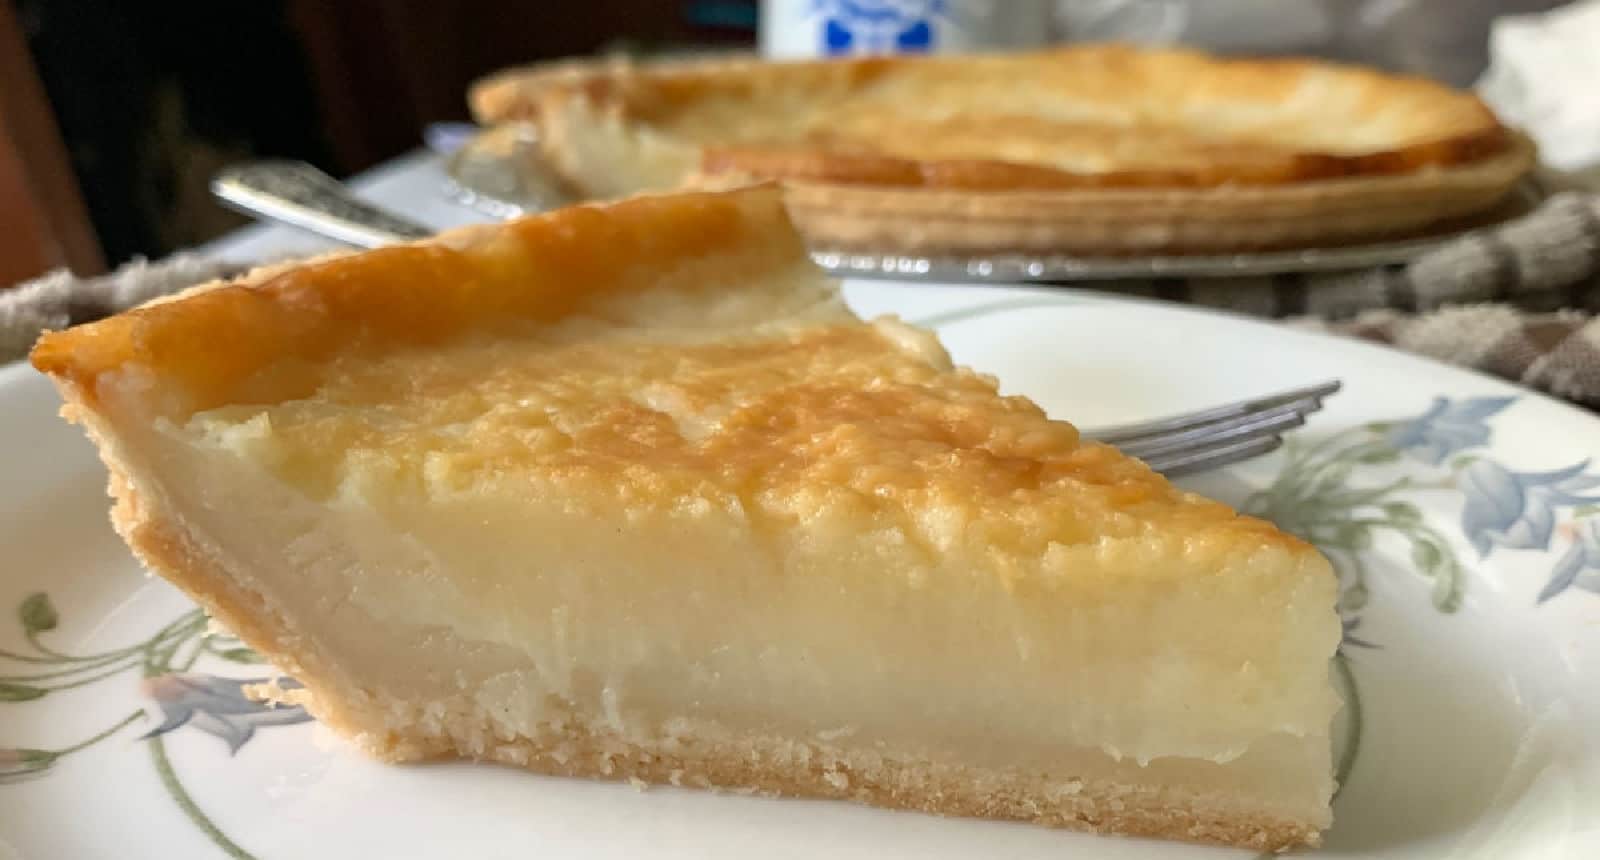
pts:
[659, 346]
[270, 336]
[1083, 116]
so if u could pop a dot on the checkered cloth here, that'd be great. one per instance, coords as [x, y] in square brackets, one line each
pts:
[61, 299]
[1546, 260]
[1516, 300]
[1557, 352]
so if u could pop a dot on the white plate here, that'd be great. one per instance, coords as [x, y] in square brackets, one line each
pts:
[1477, 666]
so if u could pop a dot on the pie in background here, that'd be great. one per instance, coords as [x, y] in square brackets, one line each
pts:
[1088, 149]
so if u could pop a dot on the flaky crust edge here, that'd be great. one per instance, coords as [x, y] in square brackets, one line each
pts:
[211, 339]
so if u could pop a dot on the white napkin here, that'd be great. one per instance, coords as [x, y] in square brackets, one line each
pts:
[1544, 76]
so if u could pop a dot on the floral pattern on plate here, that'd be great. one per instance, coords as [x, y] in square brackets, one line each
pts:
[212, 704]
[1319, 495]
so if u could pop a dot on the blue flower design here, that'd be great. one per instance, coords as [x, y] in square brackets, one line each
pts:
[1581, 565]
[217, 706]
[1517, 509]
[1446, 428]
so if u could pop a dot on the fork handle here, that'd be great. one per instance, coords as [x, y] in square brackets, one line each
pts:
[297, 194]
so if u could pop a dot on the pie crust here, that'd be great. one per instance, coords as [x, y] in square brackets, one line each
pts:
[1090, 149]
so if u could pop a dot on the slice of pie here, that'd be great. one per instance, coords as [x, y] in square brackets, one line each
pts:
[625, 491]
[1089, 149]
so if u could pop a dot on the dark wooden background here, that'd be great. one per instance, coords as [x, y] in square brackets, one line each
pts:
[114, 115]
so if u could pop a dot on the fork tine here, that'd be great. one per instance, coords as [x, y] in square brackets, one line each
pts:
[1124, 434]
[1188, 462]
[1266, 423]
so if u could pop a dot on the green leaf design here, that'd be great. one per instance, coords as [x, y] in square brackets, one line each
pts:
[1403, 513]
[240, 655]
[1334, 476]
[1380, 455]
[1354, 536]
[1354, 598]
[37, 758]
[10, 692]
[1588, 510]
[38, 614]
[1427, 557]
[157, 655]
[23, 762]
[1344, 500]
[1447, 588]
[1462, 462]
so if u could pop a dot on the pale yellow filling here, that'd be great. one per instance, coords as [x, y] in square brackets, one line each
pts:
[684, 626]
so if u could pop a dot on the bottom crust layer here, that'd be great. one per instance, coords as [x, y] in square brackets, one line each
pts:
[794, 768]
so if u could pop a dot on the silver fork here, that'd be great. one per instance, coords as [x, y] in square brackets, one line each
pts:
[1219, 435]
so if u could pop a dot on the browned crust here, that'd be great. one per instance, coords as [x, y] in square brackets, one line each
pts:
[1119, 221]
[1460, 129]
[762, 766]
[835, 166]
[256, 336]
[1452, 160]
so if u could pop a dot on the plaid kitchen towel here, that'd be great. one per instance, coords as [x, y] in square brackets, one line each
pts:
[1513, 300]
[60, 299]
[1546, 260]
[1557, 352]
